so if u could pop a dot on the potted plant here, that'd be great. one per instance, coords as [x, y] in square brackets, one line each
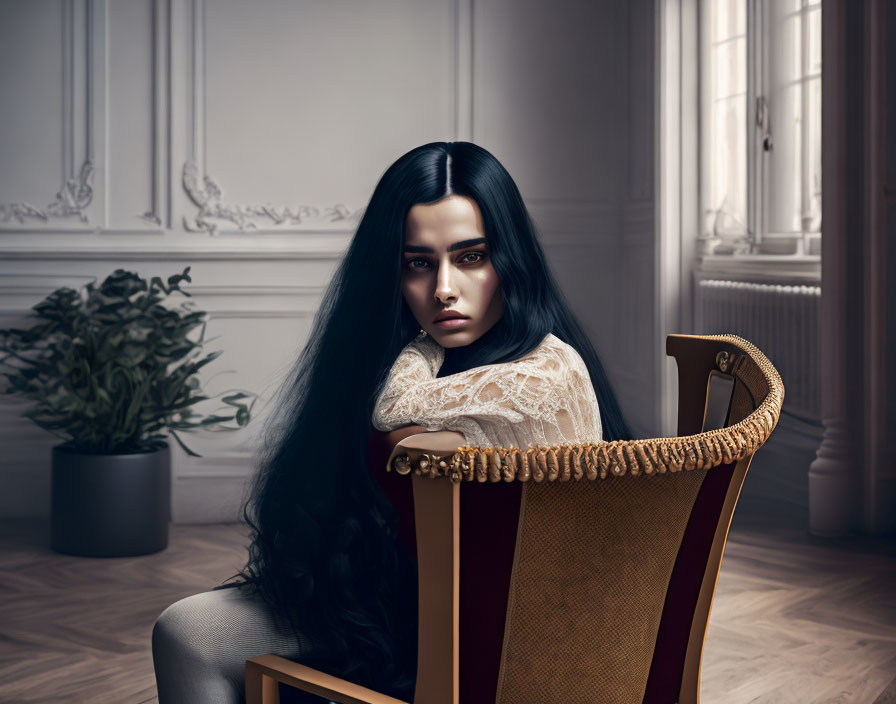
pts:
[112, 370]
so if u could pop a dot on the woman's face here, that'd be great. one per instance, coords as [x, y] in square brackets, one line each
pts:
[446, 268]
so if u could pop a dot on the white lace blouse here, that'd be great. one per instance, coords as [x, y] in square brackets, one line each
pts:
[544, 398]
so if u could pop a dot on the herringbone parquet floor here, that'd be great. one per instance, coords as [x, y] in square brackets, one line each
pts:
[78, 629]
[796, 620]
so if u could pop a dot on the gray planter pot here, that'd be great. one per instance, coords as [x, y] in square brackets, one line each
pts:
[110, 505]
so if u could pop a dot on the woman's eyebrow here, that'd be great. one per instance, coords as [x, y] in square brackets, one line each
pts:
[451, 248]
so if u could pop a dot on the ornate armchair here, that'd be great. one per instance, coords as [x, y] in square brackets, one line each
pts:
[579, 573]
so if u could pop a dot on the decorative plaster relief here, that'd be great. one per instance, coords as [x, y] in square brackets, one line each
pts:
[151, 218]
[73, 199]
[207, 196]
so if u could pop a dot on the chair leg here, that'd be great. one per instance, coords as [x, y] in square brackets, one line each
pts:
[260, 688]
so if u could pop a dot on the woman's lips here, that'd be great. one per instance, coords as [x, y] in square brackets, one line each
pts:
[451, 323]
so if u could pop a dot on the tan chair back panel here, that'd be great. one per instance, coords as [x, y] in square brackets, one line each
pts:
[612, 544]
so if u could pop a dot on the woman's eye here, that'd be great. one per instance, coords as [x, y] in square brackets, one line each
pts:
[420, 264]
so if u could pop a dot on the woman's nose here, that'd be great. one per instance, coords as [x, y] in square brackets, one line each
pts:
[445, 287]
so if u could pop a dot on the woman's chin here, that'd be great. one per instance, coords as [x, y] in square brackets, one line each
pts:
[457, 338]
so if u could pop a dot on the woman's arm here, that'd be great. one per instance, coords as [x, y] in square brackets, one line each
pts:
[549, 390]
[505, 392]
[419, 361]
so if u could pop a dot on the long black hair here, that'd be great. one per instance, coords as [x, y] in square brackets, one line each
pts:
[324, 552]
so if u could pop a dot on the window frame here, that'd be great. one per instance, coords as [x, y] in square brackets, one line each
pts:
[805, 262]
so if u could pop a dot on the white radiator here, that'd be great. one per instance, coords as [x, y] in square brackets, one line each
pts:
[782, 321]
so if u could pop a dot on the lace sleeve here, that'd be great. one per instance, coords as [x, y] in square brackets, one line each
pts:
[417, 363]
[510, 392]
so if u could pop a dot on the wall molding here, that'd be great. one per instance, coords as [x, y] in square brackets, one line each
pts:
[160, 214]
[85, 72]
[315, 244]
[223, 300]
[72, 200]
[157, 216]
[207, 195]
[74, 197]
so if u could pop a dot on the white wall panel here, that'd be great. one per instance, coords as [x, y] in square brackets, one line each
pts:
[45, 140]
[550, 89]
[289, 116]
[31, 109]
[131, 140]
[296, 126]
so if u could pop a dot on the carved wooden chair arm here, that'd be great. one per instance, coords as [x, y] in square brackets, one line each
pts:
[265, 671]
[615, 458]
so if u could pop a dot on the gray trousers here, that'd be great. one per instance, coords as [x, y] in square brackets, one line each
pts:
[200, 645]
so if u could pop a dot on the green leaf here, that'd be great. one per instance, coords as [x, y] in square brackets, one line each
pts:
[185, 448]
[114, 365]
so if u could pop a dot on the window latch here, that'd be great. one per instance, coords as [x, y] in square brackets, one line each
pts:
[762, 122]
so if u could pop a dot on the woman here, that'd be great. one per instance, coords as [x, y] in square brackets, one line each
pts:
[327, 581]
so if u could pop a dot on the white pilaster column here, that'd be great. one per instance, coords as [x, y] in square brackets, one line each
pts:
[852, 482]
[834, 475]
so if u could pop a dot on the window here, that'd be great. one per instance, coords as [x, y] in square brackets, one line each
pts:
[760, 127]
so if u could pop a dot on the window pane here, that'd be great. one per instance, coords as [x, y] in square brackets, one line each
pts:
[814, 19]
[729, 168]
[729, 19]
[730, 58]
[784, 162]
[726, 136]
[793, 184]
[812, 182]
